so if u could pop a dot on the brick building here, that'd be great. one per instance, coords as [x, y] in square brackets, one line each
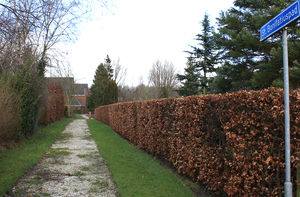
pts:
[75, 95]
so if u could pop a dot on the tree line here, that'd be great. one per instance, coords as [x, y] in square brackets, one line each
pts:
[232, 58]
[228, 57]
[108, 86]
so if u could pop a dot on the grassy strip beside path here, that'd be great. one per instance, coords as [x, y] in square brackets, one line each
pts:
[13, 163]
[134, 172]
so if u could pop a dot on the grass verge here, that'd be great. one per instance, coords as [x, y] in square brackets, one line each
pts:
[78, 116]
[134, 172]
[13, 163]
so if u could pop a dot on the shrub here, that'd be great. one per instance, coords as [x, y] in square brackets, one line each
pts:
[231, 143]
[9, 113]
[28, 85]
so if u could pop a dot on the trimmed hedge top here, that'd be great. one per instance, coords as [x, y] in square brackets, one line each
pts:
[232, 143]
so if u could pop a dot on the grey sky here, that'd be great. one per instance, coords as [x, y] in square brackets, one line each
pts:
[139, 32]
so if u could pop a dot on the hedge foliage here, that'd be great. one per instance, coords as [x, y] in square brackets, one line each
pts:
[25, 101]
[232, 143]
[52, 108]
[26, 84]
[29, 85]
[9, 113]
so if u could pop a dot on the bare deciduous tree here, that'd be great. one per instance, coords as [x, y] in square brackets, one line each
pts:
[34, 26]
[138, 93]
[119, 72]
[163, 77]
[63, 74]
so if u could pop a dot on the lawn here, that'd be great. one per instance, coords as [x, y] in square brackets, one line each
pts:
[134, 172]
[13, 163]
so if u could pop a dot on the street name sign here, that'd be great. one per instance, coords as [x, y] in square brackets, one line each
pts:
[287, 16]
[280, 21]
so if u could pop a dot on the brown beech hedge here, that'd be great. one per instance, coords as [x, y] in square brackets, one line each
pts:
[53, 104]
[231, 143]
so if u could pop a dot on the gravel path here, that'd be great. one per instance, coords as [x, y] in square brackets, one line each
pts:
[72, 167]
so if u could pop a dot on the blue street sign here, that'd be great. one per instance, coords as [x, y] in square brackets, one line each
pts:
[287, 16]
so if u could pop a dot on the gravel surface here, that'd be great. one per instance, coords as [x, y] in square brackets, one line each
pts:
[72, 167]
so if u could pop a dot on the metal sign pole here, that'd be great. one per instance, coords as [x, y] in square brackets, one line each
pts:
[288, 189]
[288, 15]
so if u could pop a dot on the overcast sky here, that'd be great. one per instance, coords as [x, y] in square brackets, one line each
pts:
[139, 32]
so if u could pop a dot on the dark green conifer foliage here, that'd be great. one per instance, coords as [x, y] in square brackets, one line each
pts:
[248, 63]
[110, 92]
[98, 87]
[108, 67]
[104, 90]
[204, 55]
[189, 80]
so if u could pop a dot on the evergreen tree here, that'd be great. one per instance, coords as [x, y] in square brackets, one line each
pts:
[90, 101]
[98, 87]
[104, 90]
[190, 80]
[205, 56]
[108, 67]
[110, 92]
[247, 62]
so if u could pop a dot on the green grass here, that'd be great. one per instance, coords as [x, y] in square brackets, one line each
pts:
[85, 168]
[35, 181]
[134, 172]
[84, 155]
[13, 163]
[64, 136]
[79, 173]
[57, 153]
[78, 116]
[94, 190]
[100, 184]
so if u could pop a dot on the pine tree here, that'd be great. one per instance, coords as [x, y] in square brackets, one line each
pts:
[205, 56]
[247, 62]
[104, 90]
[108, 67]
[97, 89]
[110, 92]
[190, 80]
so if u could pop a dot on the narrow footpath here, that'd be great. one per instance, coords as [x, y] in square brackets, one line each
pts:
[73, 167]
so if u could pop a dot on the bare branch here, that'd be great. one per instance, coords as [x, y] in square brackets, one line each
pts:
[119, 72]
[38, 25]
[163, 76]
